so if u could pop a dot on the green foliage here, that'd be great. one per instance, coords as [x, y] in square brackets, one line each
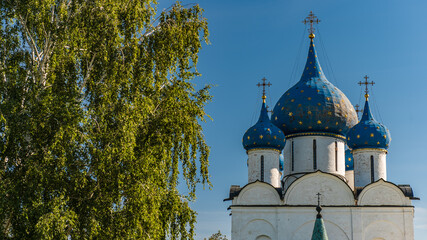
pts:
[217, 236]
[98, 115]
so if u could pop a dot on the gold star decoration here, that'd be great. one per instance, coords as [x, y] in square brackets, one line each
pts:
[261, 136]
[372, 135]
[290, 114]
[319, 122]
[358, 136]
[300, 123]
[309, 112]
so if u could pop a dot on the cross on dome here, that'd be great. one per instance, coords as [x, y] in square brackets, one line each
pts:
[357, 109]
[263, 84]
[366, 83]
[311, 19]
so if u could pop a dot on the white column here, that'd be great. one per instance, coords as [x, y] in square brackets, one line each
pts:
[369, 165]
[349, 175]
[263, 165]
[329, 155]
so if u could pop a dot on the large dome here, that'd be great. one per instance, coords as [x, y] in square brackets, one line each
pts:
[314, 105]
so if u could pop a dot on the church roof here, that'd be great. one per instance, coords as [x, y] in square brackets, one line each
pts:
[264, 134]
[319, 230]
[314, 104]
[368, 133]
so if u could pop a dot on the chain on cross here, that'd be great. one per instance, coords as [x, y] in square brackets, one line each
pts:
[264, 84]
[366, 83]
[311, 19]
[318, 198]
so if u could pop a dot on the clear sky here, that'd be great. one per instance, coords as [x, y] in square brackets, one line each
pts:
[252, 39]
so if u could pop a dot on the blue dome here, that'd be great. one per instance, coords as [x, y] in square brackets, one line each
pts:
[264, 134]
[314, 105]
[349, 163]
[368, 133]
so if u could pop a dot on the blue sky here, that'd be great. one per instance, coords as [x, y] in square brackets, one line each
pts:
[252, 39]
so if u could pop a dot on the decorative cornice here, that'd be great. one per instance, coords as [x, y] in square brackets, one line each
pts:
[255, 149]
[315, 134]
[369, 149]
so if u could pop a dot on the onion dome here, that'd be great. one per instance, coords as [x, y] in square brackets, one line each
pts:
[314, 105]
[349, 162]
[264, 134]
[368, 133]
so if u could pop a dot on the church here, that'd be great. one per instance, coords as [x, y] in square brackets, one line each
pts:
[315, 171]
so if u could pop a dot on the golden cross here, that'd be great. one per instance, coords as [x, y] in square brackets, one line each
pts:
[366, 83]
[357, 109]
[311, 19]
[263, 84]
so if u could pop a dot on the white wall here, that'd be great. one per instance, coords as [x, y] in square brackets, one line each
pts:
[381, 212]
[272, 174]
[341, 223]
[362, 166]
[349, 175]
[325, 155]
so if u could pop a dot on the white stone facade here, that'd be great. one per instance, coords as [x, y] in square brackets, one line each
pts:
[369, 166]
[380, 211]
[263, 165]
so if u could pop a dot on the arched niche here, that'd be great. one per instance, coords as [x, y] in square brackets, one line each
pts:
[258, 193]
[333, 231]
[333, 190]
[383, 193]
[258, 229]
[379, 230]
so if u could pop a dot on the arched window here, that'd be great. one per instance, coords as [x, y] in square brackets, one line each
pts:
[292, 156]
[336, 156]
[314, 154]
[372, 168]
[262, 168]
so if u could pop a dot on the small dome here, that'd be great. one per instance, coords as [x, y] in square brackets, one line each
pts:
[314, 104]
[368, 133]
[264, 134]
[349, 163]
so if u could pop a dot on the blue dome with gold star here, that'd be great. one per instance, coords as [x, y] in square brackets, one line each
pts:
[368, 133]
[349, 163]
[264, 134]
[314, 105]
